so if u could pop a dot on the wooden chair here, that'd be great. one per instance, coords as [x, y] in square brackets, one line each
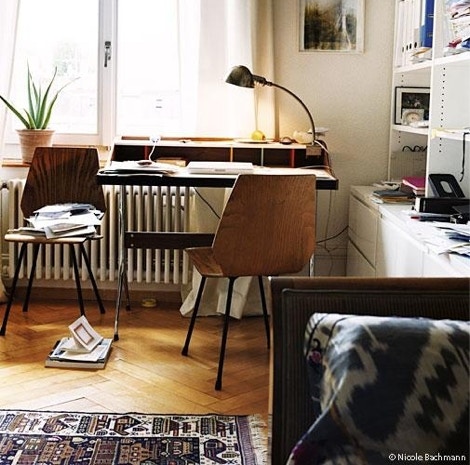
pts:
[57, 175]
[267, 228]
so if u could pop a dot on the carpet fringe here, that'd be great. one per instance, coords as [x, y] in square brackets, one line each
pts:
[259, 436]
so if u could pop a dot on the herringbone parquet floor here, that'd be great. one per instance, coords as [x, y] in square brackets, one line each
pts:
[146, 371]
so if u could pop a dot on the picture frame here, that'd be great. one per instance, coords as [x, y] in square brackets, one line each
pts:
[85, 337]
[411, 98]
[331, 26]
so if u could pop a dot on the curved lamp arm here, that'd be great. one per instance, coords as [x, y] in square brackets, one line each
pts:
[241, 76]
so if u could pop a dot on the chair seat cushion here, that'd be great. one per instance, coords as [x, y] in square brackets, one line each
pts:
[385, 386]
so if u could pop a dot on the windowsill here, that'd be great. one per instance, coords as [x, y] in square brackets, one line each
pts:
[16, 162]
[13, 163]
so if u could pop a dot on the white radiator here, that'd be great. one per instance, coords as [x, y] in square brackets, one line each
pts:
[148, 209]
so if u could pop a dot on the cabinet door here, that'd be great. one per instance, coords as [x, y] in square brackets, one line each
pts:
[363, 228]
[357, 265]
[439, 266]
[398, 254]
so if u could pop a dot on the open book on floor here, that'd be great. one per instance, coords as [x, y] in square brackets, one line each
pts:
[85, 348]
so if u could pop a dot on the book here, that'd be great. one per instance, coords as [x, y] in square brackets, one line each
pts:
[61, 357]
[57, 230]
[391, 196]
[413, 184]
[427, 23]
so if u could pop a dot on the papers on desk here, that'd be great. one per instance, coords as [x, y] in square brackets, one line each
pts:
[219, 167]
[443, 237]
[318, 172]
[139, 167]
[209, 169]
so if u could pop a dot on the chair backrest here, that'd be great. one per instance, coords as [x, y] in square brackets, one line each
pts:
[268, 225]
[62, 175]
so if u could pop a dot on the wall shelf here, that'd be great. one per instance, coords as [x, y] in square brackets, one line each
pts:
[449, 104]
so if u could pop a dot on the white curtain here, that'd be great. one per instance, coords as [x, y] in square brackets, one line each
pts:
[8, 23]
[234, 32]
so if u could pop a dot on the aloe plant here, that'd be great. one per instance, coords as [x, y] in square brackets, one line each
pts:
[40, 104]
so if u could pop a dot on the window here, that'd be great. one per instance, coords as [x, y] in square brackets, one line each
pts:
[152, 44]
[126, 56]
[47, 39]
[144, 68]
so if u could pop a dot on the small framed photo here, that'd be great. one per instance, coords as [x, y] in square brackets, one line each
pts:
[411, 104]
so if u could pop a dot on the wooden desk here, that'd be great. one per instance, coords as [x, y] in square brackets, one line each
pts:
[172, 240]
[197, 149]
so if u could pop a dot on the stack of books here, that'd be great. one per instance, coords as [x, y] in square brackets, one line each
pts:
[414, 185]
[414, 32]
[85, 348]
[457, 27]
[391, 196]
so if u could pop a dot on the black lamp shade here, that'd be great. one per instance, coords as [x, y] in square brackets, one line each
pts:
[241, 76]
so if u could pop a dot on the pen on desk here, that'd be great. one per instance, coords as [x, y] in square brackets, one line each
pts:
[434, 218]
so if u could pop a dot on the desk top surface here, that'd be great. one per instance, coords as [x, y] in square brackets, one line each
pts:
[106, 176]
[196, 142]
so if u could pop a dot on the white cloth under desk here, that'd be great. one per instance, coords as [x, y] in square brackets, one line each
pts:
[246, 299]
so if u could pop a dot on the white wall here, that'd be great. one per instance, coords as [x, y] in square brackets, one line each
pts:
[350, 95]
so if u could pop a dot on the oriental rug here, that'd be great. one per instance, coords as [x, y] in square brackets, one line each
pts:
[46, 438]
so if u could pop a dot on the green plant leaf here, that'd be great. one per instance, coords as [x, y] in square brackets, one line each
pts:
[40, 104]
[15, 111]
[43, 110]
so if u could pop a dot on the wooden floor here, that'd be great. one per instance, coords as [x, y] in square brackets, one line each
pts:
[146, 371]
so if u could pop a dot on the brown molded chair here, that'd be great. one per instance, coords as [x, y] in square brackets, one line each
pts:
[57, 175]
[267, 228]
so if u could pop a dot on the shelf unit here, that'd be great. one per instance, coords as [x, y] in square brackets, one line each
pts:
[447, 138]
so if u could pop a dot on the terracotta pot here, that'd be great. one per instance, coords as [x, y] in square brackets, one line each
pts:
[32, 138]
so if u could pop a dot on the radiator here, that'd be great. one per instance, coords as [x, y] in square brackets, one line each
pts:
[148, 209]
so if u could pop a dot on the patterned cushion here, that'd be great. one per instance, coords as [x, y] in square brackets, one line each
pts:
[386, 389]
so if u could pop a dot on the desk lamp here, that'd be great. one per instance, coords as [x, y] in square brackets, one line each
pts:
[241, 76]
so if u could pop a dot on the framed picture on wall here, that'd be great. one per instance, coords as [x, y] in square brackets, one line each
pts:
[331, 25]
[411, 104]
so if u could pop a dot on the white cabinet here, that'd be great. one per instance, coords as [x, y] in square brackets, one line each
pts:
[398, 253]
[447, 138]
[384, 242]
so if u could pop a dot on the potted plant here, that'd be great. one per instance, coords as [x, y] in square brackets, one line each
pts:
[36, 118]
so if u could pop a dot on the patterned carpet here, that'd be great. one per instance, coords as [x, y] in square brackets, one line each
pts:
[28, 437]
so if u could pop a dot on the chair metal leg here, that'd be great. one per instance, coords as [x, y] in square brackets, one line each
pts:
[31, 277]
[122, 282]
[13, 289]
[77, 280]
[92, 278]
[265, 311]
[228, 305]
[194, 316]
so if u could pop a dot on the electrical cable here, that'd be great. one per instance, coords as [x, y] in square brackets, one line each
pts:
[462, 172]
[333, 237]
[211, 208]
[155, 140]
